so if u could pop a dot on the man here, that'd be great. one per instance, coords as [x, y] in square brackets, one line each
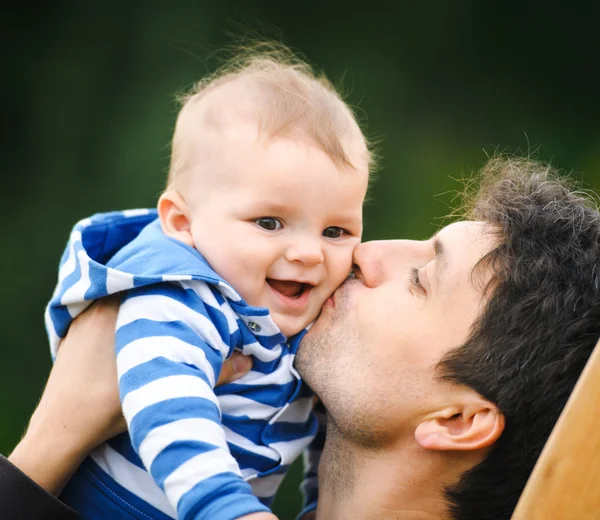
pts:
[444, 364]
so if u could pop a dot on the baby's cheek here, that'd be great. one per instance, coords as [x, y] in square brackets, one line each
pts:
[339, 266]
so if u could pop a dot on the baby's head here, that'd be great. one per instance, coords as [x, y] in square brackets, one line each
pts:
[269, 171]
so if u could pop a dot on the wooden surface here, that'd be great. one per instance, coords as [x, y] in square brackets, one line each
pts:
[565, 483]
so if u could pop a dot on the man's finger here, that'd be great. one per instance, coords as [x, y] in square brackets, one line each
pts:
[234, 368]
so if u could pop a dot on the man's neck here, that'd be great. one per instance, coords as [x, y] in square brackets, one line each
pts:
[397, 482]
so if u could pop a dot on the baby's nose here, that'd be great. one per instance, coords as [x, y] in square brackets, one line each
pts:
[306, 251]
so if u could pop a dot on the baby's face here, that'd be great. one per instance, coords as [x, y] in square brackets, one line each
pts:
[278, 220]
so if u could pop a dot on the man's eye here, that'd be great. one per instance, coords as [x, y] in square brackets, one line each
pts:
[269, 223]
[415, 281]
[334, 232]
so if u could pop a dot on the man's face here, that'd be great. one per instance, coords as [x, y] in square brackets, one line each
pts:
[371, 354]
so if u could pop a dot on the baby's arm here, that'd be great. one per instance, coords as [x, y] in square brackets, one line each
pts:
[168, 356]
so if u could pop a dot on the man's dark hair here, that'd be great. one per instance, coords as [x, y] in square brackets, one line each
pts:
[538, 329]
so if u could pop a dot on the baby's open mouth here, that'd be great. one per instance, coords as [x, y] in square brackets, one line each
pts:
[289, 288]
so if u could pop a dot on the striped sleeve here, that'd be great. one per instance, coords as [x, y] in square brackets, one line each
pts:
[311, 459]
[169, 354]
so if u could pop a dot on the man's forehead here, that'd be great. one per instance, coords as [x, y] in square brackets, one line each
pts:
[462, 233]
[459, 247]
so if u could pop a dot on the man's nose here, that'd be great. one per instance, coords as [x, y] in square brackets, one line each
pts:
[383, 260]
[307, 251]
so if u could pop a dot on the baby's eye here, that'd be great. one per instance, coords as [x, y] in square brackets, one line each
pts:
[334, 232]
[269, 223]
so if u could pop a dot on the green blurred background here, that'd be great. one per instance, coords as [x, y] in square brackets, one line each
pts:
[88, 110]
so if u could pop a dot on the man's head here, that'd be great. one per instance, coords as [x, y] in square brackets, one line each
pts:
[370, 354]
[268, 174]
[466, 346]
[541, 323]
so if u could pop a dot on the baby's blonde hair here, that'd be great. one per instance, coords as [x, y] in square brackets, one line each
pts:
[272, 87]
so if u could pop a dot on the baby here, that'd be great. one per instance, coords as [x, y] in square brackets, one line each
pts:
[255, 230]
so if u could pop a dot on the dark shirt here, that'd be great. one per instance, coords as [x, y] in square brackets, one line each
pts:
[22, 499]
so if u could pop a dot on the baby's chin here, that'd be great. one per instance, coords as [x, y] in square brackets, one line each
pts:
[292, 325]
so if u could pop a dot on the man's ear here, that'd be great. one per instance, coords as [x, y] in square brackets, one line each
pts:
[471, 425]
[174, 215]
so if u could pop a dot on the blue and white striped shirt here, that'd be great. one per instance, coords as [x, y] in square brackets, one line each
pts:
[214, 452]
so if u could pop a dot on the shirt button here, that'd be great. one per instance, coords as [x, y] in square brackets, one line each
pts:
[253, 326]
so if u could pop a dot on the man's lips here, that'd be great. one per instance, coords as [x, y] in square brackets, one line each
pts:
[351, 279]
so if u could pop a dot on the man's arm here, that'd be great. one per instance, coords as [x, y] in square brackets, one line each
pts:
[80, 405]
[21, 497]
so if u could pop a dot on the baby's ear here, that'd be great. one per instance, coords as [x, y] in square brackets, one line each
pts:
[174, 217]
[471, 425]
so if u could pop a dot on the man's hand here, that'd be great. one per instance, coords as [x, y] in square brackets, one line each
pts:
[233, 368]
[80, 407]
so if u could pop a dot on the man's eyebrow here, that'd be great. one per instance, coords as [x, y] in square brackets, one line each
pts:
[440, 258]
